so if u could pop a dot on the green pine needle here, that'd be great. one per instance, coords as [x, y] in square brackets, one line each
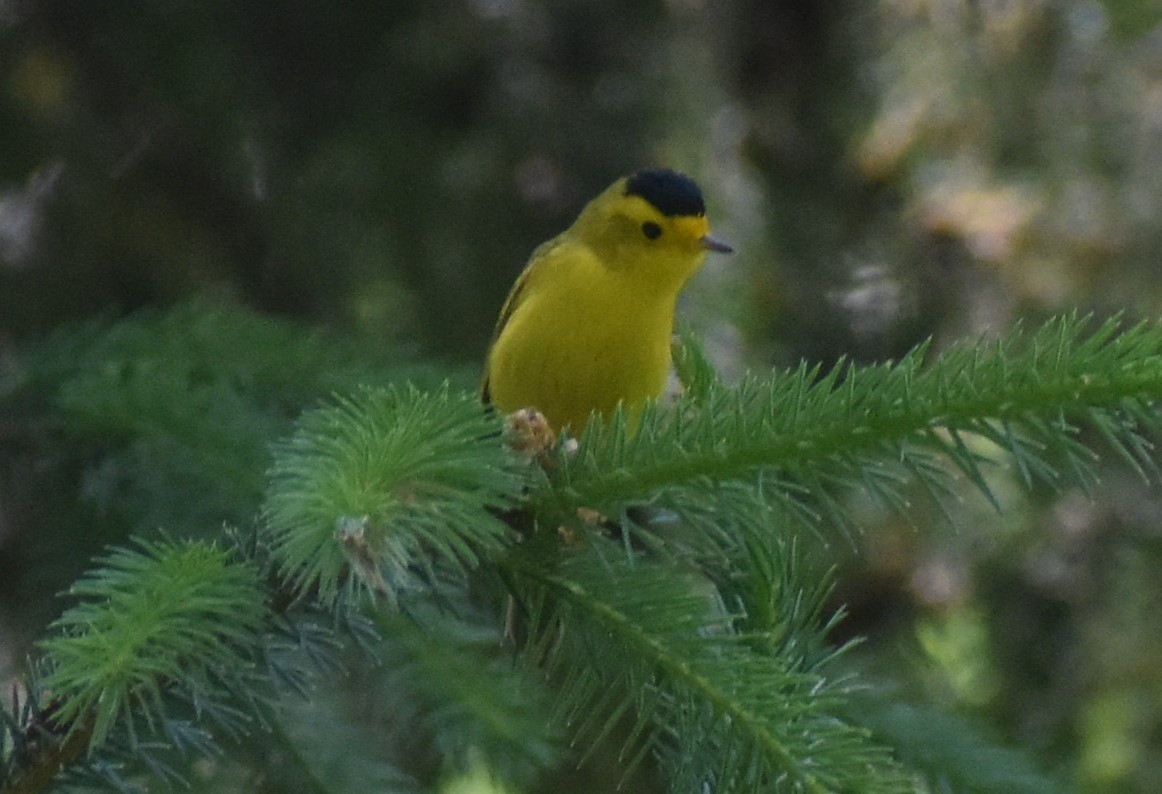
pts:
[1028, 393]
[185, 403]
[640, 639]
[699, 637]
[456, 683]
[950, 752]
[383, 482]
[157, 618]
[695, 371]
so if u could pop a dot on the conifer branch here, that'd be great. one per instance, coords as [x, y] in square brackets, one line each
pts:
[376, 485]
[455, 682]
[1028, 393]
[643, 639]
[708, 640]
[151, 620]
[161, 624]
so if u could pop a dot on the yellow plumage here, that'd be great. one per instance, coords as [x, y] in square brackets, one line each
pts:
[588, 323]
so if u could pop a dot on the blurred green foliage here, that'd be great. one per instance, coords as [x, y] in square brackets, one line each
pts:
[888, 171]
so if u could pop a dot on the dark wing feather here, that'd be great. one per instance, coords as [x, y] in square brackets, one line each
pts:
[530, 274]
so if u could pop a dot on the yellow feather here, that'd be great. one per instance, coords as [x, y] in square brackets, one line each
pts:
[588, 323]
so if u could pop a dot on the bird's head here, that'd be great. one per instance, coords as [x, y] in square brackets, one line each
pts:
[651, 223]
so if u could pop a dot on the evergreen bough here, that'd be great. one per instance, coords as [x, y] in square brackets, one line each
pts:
[659, 590]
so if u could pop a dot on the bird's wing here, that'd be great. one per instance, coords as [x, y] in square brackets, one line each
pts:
[525, 282]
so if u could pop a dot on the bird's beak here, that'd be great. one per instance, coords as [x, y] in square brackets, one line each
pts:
[717, 246]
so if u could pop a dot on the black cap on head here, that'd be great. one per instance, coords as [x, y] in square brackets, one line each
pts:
[670, 192]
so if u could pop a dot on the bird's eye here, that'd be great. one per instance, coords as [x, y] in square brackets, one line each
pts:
[651, 230]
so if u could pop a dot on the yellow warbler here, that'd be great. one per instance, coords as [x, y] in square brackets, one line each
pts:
[588, 323]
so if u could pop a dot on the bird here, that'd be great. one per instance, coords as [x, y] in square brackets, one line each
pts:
[587, 325]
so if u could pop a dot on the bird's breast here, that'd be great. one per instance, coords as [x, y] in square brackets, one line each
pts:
[567, 351]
